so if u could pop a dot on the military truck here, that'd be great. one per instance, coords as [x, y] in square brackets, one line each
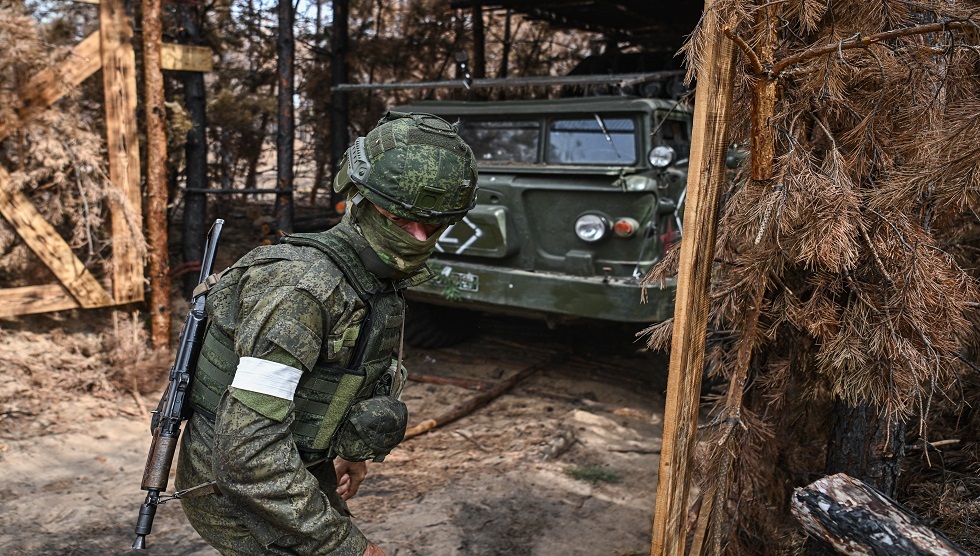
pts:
[577, 199]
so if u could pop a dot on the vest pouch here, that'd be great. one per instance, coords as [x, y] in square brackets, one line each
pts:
[372, 429]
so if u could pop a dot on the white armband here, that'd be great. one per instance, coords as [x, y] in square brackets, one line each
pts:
[266, 377]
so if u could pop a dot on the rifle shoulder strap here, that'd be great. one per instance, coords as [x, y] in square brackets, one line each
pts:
[208, 283]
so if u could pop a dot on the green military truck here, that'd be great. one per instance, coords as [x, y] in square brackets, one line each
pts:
[577, 199]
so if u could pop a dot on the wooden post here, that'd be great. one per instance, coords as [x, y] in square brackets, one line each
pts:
[156, 176]
[704, 186]
[119, 81]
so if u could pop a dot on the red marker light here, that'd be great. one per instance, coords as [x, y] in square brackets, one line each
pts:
[625, 227]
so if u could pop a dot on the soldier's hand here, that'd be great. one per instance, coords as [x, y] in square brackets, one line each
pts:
[349, 476]
[373, 550]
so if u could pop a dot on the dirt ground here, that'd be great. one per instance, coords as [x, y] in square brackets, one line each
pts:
[564, 464]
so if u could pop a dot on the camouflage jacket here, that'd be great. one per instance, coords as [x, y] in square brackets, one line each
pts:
[264, 303]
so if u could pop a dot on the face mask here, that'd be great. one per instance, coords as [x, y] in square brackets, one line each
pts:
[396, 247]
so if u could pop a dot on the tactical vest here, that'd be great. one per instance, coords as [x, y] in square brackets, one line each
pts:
[323, 396]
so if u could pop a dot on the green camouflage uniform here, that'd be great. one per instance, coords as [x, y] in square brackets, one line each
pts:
[291, 305]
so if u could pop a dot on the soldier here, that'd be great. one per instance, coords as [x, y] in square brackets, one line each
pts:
[296, 384]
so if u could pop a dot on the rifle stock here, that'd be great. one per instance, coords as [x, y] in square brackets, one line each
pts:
[172, 409]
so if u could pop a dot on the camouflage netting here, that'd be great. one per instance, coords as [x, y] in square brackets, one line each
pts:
[858, 255]
[57, 159]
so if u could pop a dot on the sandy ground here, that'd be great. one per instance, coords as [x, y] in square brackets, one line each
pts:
[565, 463]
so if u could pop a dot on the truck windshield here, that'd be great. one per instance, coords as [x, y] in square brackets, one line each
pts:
[592, 141]
[577, 140]
[502, 141]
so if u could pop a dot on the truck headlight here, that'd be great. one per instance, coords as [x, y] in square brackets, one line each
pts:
[661, 157]
[591, 227]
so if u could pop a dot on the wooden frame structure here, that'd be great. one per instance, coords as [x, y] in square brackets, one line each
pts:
[111, 50]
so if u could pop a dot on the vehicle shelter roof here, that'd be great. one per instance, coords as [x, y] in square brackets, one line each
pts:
[651, 24]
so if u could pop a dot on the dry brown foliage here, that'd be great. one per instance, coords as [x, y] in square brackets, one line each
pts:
[57, 159]
[862, 245]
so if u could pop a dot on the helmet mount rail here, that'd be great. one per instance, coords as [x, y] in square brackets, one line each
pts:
[424, 212]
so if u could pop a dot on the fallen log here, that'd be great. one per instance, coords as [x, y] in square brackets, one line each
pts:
[479, 400]
[854, 518]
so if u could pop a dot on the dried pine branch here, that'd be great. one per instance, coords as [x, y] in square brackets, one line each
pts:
[861, 241]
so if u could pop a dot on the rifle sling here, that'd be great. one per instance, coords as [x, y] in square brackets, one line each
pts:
[203, 489]
[209, 282]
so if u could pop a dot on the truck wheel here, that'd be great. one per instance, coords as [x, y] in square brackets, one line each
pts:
[435, 326]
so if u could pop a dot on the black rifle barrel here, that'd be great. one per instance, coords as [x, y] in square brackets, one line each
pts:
[171, 410]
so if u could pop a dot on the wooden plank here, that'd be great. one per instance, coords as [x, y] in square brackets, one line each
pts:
[119, 80]
[854, 518]
[49, 85]
[184, 57]
[35, 299]
[704, 186]
[44, 240]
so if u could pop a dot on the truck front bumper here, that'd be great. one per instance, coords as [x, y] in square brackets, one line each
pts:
[490, 289]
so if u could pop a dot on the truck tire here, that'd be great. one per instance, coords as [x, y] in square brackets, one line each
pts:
[434, 326]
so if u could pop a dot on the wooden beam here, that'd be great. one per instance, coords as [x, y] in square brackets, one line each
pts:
[50, 84]
[706, 178]
[44, 240]
[29, 300]
[119, 81]
[184, 57]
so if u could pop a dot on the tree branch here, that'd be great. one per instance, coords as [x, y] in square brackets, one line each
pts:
[861, 42]
[746, 49]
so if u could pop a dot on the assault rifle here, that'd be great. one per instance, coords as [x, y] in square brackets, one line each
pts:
[172, 408]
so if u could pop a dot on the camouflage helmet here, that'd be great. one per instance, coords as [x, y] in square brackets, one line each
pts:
[414, 166]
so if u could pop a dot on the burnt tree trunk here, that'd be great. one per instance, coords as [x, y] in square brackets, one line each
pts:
[285, 131]
[340, 73]
[479, 44]
[195, 224]
[227, 160]
[253, 149]
[866, 445]
[505, 54]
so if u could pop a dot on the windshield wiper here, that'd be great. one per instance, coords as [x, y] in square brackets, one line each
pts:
[605, 133]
